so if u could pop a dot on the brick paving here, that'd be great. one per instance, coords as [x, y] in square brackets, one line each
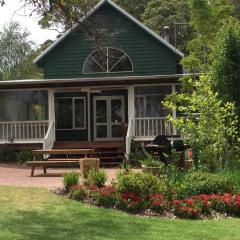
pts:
[15, 175]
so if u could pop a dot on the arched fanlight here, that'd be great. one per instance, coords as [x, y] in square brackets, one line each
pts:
[108, 60]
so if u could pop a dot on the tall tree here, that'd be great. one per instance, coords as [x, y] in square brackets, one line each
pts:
[206, 18]
[226, 62]
[16, 53]
[135, 9]
[172, 13]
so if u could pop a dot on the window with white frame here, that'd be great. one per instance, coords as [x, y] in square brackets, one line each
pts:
[148, 101]
[70, 113]
[108, 60]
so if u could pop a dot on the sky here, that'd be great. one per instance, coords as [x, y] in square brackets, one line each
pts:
[13, 11]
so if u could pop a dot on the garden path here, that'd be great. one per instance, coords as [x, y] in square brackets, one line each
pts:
[12, 174]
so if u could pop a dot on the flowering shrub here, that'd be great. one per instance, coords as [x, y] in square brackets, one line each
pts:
[157, 203]
[186, 208]
[78, 192]
[225, 203]
[131, 202]
[106, 196]
[140, 183]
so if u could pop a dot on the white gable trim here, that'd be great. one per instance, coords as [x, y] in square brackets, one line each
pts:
[122, 11]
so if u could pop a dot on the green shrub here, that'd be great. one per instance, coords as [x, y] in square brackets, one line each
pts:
[78, 192]
[70, 179]
[97, 178]
[7, 154]
[206, 183]
[24, 156]
[233, 176]
[152, 162]
[142, 184]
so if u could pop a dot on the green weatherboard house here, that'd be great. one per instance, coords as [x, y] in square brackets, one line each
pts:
[94, 95]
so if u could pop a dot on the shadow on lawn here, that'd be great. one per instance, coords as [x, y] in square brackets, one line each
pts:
[65, 223]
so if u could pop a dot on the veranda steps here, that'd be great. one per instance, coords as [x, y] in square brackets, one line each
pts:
[110, 153]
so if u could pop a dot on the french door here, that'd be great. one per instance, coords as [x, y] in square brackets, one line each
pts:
[109, 115]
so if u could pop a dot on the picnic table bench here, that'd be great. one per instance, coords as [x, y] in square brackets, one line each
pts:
[57, 161]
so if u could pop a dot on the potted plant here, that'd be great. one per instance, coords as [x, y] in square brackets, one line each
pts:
[153, 166]
[188, 161]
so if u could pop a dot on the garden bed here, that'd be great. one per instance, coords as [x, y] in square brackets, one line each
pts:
[145, 194]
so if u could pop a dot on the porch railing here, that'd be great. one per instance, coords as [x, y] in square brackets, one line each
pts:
[23, 131]
[151, 127]
[147, 129]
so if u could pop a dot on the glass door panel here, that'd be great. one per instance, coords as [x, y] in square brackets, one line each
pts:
[109, 117]
[101, 118]
[116, 117]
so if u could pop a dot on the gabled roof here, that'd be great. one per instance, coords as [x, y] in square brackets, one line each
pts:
[122, 11]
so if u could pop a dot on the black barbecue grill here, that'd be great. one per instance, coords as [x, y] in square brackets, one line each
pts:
[162, 147]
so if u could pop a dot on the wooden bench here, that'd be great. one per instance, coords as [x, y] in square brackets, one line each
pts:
[51, 163]
[57, 161]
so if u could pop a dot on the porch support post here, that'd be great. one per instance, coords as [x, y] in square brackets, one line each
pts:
[89, 116]
[131, 116]
[51, 107]
[131, 105]
[174, 111]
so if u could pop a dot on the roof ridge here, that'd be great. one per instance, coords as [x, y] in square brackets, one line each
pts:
[122, 11]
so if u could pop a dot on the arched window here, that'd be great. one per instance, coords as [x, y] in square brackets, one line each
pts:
[108, 60]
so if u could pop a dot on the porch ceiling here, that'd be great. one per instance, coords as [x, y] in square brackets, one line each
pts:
[85, 82]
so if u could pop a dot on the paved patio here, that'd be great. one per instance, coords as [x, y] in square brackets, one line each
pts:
[20, 176]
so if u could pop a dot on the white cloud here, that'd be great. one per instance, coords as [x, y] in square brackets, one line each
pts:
[13, 11]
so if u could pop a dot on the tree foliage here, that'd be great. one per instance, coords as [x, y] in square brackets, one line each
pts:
[226, 62]
[205, 122]
[135, 9]
[206, 19]
[16, 53]
[175, 14]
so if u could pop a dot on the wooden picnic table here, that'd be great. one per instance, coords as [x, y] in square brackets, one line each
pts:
[63, 152]
[59, 161]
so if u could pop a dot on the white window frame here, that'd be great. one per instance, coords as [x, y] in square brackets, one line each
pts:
[73, 114]
[107, 70]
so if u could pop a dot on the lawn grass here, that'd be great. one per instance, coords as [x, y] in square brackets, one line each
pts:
[37, 214]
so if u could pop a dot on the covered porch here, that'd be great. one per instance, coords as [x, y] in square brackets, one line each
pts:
[85, 114]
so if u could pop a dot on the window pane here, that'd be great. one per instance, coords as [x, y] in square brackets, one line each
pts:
[91, 66]
[79, 113]
[101, 111]
[159, 90]
[100, 56]
[102, 131]
[23, 106]
[154, 106]
[63, 108]
[124, 65]
[114, 56]
[116, 131]
[139, 107]
[116, 108]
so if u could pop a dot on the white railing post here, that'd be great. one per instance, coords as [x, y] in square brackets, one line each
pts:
[49, 138]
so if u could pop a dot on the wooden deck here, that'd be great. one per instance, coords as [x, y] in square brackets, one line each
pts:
[109, 152]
